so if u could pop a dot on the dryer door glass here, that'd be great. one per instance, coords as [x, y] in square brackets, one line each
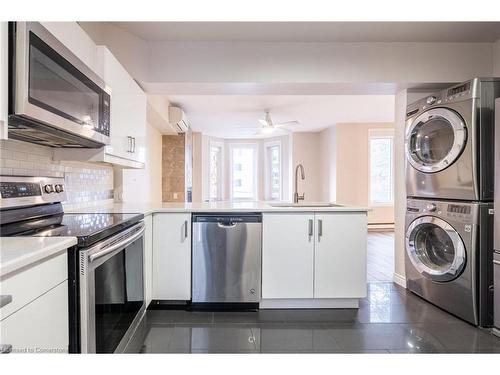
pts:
[435, 249]
[435, 140]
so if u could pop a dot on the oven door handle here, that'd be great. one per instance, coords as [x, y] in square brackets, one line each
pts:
[128, 240]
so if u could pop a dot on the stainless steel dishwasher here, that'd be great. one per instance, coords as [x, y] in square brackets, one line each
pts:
[227, 252]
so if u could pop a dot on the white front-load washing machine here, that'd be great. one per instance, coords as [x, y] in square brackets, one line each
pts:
[448, 257]
[450, 142]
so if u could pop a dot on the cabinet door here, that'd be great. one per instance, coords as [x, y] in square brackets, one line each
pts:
[172, 256]
[41, 325]
[148, 259]
[340, 255]
[128, 109]
[287, 255]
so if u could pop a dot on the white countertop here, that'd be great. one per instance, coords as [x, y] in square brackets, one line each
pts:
[148, 208]
[18, 252]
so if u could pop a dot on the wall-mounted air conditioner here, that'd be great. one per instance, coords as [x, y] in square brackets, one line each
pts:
[178, 119]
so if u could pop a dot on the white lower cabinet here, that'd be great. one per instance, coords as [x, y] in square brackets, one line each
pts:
[314, 256]
[148, 259]
[172, 256]
[41, 326]
[340, 255]
[287, 255]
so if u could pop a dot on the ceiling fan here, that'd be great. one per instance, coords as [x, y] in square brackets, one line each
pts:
[268, 126]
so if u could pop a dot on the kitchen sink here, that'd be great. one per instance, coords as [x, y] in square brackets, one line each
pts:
[305, 204]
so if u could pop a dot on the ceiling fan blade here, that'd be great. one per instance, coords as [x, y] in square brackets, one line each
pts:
[288, 123]
[263, 122]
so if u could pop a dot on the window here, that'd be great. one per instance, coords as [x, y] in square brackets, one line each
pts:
[273, 170]
[216, 168]
[243, 168]
[381, 144]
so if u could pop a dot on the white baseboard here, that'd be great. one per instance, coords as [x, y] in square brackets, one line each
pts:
[380, 227]
[399, 279]
[306, 303]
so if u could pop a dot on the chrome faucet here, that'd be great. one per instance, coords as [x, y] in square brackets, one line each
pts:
[296, 196]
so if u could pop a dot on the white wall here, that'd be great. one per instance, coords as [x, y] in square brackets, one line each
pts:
[353, 169]
[196, 64]
[328, 160]
[71, 34]
[317, 62]
[400, 186]
[306, 151]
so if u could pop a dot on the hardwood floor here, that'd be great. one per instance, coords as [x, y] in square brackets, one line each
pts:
[380, 256]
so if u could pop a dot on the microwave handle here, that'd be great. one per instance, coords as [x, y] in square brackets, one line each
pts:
[117, 246]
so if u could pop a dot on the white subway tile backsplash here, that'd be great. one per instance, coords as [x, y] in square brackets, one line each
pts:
[86, 184]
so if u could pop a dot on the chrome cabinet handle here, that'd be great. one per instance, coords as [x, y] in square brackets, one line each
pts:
[5, 348]
[320, 228]
[133, 145]
[311, 227]
[129, 144]
[185, 229]
[5, 300]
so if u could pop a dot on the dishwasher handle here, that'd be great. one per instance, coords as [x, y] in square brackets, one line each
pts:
[227, 226]
[227, 219]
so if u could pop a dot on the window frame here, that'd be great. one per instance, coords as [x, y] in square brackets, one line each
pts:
[380, 134]
[255, 147]
[267, 170]
[221, 189]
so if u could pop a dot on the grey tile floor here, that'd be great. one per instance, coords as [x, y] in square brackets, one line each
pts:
[389, 320]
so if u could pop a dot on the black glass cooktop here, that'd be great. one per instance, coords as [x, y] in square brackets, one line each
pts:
[88, 228]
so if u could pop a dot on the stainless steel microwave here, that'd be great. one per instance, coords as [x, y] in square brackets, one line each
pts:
[54, 98]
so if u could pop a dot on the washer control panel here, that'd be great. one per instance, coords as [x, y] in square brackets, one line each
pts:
[18, 191]
[462, 212]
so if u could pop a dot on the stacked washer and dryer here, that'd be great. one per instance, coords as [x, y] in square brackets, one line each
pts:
[450, 188]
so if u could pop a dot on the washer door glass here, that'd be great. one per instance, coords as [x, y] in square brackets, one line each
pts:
[435, 249]
[435, 140]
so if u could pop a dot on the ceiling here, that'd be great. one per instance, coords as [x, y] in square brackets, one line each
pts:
[315, 31]
[231, 116]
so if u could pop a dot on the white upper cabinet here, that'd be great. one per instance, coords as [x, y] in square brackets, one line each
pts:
[76, 40]
[128, 102]
[340, 255]
[128, 110]
[287, 255]
[3, 79]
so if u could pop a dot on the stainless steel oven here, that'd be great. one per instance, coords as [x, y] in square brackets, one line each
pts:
[112, 291]
[54, 98]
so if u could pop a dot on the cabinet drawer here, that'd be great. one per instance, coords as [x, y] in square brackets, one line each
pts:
[30, 283]
[41, 326]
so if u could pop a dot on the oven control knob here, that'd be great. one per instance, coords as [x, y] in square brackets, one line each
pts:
[49, 189]
[59, 188]
[431, 207]
[431, 100]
